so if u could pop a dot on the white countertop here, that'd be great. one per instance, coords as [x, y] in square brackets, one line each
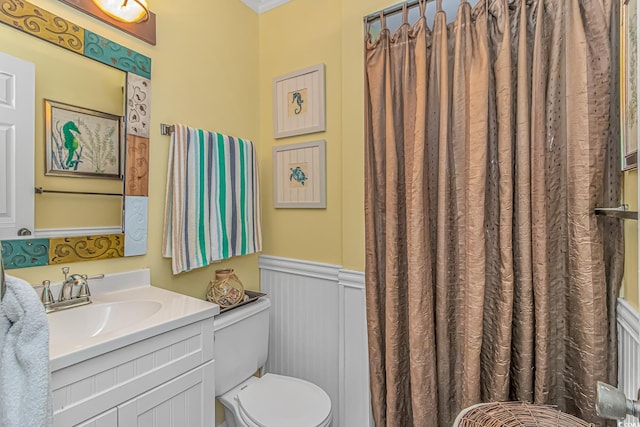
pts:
[125, 309]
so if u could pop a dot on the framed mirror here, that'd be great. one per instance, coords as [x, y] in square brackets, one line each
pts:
[82, 216]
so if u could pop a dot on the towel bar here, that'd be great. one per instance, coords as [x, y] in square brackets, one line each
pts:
[166, 129]
[40, 190]
[619, 212]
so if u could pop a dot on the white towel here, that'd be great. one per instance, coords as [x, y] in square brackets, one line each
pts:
[25, 395]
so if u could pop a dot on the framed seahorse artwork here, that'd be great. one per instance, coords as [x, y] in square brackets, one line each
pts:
[629, 83]
[298, 102]
[81, 142]
[299, 172]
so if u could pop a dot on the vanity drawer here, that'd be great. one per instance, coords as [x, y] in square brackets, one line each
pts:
[96, 385]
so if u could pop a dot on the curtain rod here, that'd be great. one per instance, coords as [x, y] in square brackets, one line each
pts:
[391, 10]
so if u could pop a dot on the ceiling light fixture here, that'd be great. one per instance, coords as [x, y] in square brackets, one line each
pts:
[125, 10]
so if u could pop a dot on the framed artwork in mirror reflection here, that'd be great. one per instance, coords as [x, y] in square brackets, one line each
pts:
[81, 142]
[629, 83]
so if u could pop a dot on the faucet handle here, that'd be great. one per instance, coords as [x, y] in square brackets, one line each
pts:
[47, 296]
[65, 271]
[84, 287]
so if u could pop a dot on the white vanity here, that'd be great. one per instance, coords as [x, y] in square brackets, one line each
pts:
[137, 356]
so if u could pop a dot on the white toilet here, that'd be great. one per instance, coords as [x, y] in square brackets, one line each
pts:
[241, 340]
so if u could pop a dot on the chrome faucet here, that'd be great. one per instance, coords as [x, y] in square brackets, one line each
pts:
[67, 299]
[67, 286]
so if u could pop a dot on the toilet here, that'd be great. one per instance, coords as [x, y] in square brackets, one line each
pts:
[241, 339]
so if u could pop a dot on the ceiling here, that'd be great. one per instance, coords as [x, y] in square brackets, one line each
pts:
[263, 5]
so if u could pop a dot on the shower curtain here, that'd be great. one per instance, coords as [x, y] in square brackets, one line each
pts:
[489, 142]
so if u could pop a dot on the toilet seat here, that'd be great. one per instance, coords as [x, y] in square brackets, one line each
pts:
[279, 401]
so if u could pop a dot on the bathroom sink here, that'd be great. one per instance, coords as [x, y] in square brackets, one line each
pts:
[125, 309]
[99, 318]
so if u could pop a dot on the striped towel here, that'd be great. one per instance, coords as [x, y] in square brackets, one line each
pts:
[212, 206]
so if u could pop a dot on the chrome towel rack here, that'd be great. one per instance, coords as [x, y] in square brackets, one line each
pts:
[166, 129]
[621, 212]
[40, 190]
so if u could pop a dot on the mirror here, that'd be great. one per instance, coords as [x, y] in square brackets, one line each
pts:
[99, 72]
[66, 77]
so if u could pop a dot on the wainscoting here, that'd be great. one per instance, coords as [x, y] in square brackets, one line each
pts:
[628, 352]
[318, 332]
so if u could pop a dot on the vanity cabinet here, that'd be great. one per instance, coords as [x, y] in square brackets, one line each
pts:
[184, 401]
[108, 419]
[162, 380]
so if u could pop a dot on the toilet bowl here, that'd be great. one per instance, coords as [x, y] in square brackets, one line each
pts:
[241, 340]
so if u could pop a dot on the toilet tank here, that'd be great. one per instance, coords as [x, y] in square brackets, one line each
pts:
[241, 343]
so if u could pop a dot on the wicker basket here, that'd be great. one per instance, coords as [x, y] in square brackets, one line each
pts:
[226, 290]
[521, 414]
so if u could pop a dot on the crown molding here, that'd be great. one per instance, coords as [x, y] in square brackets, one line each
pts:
[260, 6]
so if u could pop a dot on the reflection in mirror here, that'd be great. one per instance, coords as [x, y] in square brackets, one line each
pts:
[66, 77]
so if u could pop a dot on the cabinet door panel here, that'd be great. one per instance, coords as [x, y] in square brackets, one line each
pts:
[106, 419]
[188, 401]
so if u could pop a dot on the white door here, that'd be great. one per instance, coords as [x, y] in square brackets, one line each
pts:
[17, 109]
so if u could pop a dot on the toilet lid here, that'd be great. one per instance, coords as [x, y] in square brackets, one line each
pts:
[279, 401]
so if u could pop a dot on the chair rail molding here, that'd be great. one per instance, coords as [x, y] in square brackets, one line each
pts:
[300, 267]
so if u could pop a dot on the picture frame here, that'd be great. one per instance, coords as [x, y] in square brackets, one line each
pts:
[629, 84]
[299, 172]
[82, 143]
[299, 102]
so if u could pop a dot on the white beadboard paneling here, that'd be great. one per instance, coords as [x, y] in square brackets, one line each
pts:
[318, 332]
[354, 360]
[304, 334]
[628, 349]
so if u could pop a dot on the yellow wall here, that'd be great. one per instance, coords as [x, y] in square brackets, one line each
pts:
[293, 36]
[205, 74]
[630, 280]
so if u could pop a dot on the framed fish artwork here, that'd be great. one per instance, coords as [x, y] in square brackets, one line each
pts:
[81, 142]
[299, 172]
[298, 102]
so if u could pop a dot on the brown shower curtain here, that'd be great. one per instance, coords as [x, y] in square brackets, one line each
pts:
[489, 142]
